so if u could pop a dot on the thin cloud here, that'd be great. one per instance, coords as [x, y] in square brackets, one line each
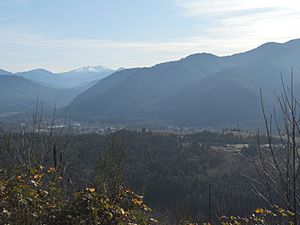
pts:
[246, 21]
[234, 26]
[221, 8]
[22, 50]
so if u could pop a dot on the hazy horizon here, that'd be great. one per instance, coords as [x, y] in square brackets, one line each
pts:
[138, 66]
[61, 36]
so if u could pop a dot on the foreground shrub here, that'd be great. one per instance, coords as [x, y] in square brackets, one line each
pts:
[262, 216]
[38, 195]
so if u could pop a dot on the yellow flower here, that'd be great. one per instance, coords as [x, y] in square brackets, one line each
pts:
[38, 176]
[122, 211]
[51, 170]
[91, 190]
[137, 201]
[259, 211]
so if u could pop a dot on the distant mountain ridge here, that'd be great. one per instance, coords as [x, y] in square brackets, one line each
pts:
[93, 69]
[199, 90]
[19, 94]
[3, 72]
[20, 91]
[86, 75]
[76, 78]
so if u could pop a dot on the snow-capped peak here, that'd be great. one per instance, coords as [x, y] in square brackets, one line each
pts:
[93, 69]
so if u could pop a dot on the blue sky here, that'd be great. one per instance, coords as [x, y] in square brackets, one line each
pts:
[61, 35]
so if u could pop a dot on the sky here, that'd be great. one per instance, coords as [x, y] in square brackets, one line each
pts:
[61, 35]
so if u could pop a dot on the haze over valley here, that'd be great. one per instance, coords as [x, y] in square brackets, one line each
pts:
[161, 112]
[200, 90]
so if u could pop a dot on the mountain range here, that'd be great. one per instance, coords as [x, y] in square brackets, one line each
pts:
[198, 90]
[19, 92]
[81, 77]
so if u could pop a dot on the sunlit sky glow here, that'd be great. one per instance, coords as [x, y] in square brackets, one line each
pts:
[61, 35]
